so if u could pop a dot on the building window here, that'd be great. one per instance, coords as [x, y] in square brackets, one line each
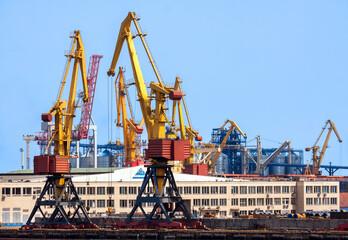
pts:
[326, 201]
[91, 203]
[27, 191]
[223, 214]
[101, 203]
[132, 190]
[251, 190]
[316, 189]
[81, 190]
[333, 201]
[110, 203]
[214, 190]
[309, 201]
[6, 191]
[36, 190]
[260, 202]
[205, 190]
[269, 201]
[150, 190]
[277, 189]
[292, 189]
[91, 190]
[241, 213]
[214, 202]
[317, 201]
[223, 202]
[260, 189]
[285, 189]
[333, 189]
[285, 201]
[110, 190]
[251, 202]
[243, 190]
[187, 190]
[223, 190]
[196, 190]
[277, 201]
[123, 190]
[123, 203]
[269, 189]
[293, 201]
[101, 191]
[325, 189]
[205, 202]
[243, 202]
[131, 203]
[196, 202]
[16, 191]
[234, 190]
[180, 190]
[234, 201]
[309, 189]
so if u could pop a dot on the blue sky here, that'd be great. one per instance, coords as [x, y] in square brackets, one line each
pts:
[277, 68]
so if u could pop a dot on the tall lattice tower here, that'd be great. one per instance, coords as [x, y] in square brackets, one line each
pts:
[28, 139]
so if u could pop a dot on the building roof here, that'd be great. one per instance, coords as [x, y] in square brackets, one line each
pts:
[136, 174]
[72, 170]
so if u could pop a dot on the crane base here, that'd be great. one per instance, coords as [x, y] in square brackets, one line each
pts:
[165, 198]
[60, 198]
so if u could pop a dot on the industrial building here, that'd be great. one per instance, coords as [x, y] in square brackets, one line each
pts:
[203, 195]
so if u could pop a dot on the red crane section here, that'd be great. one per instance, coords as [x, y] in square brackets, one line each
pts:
[86, 113]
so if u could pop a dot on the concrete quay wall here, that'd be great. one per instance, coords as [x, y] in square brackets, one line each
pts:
[252, 224]
[273, 224]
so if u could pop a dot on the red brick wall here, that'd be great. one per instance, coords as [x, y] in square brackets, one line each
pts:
[344, 200]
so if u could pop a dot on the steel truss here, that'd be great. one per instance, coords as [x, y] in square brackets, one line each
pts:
[68, 197]
[162, 198]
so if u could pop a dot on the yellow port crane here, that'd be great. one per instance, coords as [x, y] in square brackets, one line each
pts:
[59, 187]
[66, 109]
[186, 132]
[317, 160]
[129, 126]
[162, 147]
[233, 125]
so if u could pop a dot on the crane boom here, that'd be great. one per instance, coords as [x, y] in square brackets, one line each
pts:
[130, 128]
[322, 153]
[125, 34]
[223, 143]
[64, 111]
[317, 160]
[86, 113]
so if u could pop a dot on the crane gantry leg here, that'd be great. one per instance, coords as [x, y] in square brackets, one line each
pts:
[61, 198]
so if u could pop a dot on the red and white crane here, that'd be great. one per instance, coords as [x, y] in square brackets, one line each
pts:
[86, 113]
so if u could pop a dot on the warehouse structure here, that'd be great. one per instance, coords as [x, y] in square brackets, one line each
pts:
[203, 195]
